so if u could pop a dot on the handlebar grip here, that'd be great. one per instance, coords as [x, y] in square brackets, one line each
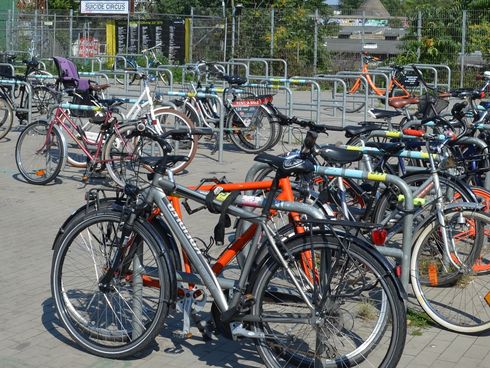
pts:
[413, 132]
[332, 128]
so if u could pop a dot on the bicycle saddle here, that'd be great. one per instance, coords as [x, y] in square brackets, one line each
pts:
[235, 79]
[336, 155]
[286, 166]
[398, 103]
[353, 130]
[384, 114]
[387, 147]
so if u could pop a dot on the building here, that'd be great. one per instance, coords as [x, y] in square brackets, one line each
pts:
[370, 29]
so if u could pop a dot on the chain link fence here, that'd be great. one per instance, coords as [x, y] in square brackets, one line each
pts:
[310, 42]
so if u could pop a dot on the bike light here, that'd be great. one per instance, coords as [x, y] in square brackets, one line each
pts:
[378, 236]
[398, 271]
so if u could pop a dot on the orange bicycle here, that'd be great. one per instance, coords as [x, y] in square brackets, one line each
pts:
[398, 82]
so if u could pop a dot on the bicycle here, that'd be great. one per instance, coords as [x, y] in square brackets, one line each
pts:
[130, 64]
[399, 83]
[282, 294]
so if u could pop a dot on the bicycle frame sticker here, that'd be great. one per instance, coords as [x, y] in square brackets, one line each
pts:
[183, 228]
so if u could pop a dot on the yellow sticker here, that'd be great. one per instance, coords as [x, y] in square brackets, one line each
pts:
[393, 134]
[219, 89]
[376, 176]
[353, 148]
[401, 197]
[191, 94]
[419, 201]
[222, 196]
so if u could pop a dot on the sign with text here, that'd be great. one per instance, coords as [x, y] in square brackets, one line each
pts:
[104, 7]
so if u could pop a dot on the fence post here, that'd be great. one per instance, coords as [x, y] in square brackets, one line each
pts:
[34, 36]
[127, 34]
[233, 30]
[315, 44]
[225, 36]
[419, 33]
[363, 25]
[463, 47]
[272, 31]
[71, 34]
[8, 27]
[54, 34]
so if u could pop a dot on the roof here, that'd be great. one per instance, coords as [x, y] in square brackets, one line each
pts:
[374, 8]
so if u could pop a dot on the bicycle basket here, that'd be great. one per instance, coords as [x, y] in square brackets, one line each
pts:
[430, 106]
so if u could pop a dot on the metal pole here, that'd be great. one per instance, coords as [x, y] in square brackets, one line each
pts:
[233, 30]
[272, 32]
[8, 26]
[127, 35]
[463, 46]
[71, 34]
[419, 33]
[192, 35]
[226, 33]
[315, 44]
[34, 36]
[363, 25]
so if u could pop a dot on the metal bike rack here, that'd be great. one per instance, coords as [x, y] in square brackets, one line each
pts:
[133, 56]
[346, 75]
[95, 74]
[11, 83]
[268, 65]
[221, 113]
[230, 66]
[256, 60]
[161, 69]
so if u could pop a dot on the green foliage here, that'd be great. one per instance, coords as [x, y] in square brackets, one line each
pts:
[60, 4]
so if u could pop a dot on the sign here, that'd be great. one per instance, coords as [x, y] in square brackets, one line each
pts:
[168, 33]
[104, 7]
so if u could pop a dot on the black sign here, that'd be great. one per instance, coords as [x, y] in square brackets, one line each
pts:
[170, 34]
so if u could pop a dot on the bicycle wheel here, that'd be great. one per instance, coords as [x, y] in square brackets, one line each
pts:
[255, 137]
[39, 153]
[120, 320]
[355, 95]
[172, 119]
[6, 117]
[358, 313]
[123, 152]
[453, 289]
[42, 99]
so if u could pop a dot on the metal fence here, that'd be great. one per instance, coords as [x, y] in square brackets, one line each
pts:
[304, 38]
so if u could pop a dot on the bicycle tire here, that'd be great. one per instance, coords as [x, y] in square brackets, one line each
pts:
[453, 296]
[383, 319]
[6, 117]
[142, 305]
[31, 150]
[43, 98]
[250, 139]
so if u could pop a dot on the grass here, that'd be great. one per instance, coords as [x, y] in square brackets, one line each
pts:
[417, 321]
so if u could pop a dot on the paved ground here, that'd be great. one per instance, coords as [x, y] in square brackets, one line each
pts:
[30, 333]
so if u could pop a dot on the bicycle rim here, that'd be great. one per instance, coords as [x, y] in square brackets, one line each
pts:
[254, 138]
[6, 117]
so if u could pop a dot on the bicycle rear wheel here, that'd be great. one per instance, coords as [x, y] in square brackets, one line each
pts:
[255, 137]
[119, 321]
[6, 117]
[355, 96]
[453, 289]
[39, 153]
[358, 316]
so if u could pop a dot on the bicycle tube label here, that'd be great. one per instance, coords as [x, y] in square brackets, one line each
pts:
[393, 134]
[353, 148]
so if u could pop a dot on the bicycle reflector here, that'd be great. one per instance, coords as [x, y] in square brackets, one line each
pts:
[487, 298]
[432, 274]
[378, 236]
[41, 172]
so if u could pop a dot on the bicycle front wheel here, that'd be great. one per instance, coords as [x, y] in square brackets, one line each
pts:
[6, 117]
[453, 288]
[119, 320]
[358, 316]
[39, 153]
[355, 98]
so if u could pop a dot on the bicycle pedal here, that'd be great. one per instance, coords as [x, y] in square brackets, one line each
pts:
[182, 335]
